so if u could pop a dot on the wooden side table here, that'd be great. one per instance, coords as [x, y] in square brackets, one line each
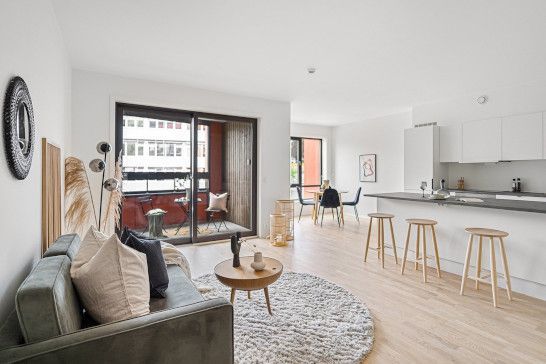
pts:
[245, 278]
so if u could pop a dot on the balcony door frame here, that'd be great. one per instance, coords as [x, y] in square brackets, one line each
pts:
[300, 161]
[196, 118]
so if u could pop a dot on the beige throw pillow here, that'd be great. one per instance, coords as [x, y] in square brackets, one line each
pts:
[218, 202]
[111, 279]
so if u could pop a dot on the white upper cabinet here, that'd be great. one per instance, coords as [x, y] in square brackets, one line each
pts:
[522, 137]
[450, 143]
[482, 141]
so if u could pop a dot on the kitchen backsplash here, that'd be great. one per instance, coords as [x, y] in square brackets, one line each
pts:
[498, 176]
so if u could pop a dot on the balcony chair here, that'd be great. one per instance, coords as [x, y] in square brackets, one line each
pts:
[303, 202]
[216, 215]
[354, 202]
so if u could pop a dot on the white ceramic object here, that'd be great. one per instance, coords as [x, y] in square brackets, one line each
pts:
[258, 263]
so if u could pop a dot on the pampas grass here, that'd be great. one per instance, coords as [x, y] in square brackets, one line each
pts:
[78, 196]
[113, 209]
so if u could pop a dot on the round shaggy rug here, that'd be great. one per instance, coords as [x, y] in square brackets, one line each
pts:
[314, 321]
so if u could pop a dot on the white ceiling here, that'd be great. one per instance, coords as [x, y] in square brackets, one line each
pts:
[373, 57]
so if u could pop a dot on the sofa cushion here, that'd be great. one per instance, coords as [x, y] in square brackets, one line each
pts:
[68, 245]
[46, 303]
[157, 270]
[113, 282]
[181, 291]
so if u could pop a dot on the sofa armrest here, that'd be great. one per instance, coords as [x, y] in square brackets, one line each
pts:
[198, 333]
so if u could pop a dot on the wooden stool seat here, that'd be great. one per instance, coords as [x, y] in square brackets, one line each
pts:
[421, 221]
[489, 233]
[380, 237]
[380, 215]
[423, 257]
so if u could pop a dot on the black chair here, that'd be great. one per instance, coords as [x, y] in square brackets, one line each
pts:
[145, 200]
[354, 202]
[330, 200]
[303, 202]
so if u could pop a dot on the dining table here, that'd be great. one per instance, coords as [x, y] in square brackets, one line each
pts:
[317, 195]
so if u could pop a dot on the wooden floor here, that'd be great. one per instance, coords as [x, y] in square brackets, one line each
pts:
[414, 322]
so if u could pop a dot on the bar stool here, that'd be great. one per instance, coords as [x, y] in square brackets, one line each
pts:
[491, 234]
[380, 217]
[421, 224]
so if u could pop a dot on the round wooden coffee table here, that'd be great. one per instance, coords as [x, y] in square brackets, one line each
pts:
[244, 278]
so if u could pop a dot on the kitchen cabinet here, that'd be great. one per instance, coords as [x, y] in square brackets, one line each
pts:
[522, 137]
[450, 143]
[421, 158]
[481, 141]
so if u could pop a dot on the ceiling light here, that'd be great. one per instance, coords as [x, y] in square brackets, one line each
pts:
[311, 70]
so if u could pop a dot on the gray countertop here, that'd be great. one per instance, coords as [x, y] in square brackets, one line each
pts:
[490, 203]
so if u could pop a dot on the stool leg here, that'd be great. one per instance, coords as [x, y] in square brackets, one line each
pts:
[506, 272]
[378, 238]
[466, 262]
[436, 255]
[479, 264]
[424, 255]
[382, 243]
[417, 247]
[493, 271]
[406, 249]
[368, 240]
[393, 242]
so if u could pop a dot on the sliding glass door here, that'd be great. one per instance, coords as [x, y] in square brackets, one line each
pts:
[187, 177]
[305, 164]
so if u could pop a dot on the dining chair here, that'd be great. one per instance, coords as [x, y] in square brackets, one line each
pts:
[303, 202]
[354, 203]
[330, 200]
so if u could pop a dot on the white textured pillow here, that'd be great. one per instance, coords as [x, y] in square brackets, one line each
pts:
[218, 202]
[111, 279]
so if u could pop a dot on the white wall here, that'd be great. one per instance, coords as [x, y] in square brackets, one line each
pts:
[320, 132]
[506, 101]
[32, 47]
[382, 136]
[94, 96]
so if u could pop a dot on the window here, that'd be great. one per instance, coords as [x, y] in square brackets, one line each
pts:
[160, 149]
[130, 148]
[178, 150]
[177, 125]
[161, 124]
[140, 149]
[140, 123]
[170, 150]
[169, 125]
[305, 162]
[130, 123]
[153, 123]
[151, 149]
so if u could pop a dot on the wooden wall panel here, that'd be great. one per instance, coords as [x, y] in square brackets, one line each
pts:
[51, 193]
[238, 171]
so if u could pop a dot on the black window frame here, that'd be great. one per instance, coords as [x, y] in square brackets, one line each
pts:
[300, 161]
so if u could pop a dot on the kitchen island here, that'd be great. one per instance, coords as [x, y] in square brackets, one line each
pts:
[525, 221]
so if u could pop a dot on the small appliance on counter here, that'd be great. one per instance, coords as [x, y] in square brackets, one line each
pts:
[516, 184]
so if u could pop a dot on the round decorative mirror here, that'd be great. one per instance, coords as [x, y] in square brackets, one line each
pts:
[18, 128]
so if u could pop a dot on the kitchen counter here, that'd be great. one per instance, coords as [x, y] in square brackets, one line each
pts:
[490, 203]
[523, 220]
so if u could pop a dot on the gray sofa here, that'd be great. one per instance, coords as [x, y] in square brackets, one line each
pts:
[49, 325]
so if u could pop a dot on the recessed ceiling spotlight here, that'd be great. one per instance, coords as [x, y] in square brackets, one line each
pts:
[482, 99]
[311, 70]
